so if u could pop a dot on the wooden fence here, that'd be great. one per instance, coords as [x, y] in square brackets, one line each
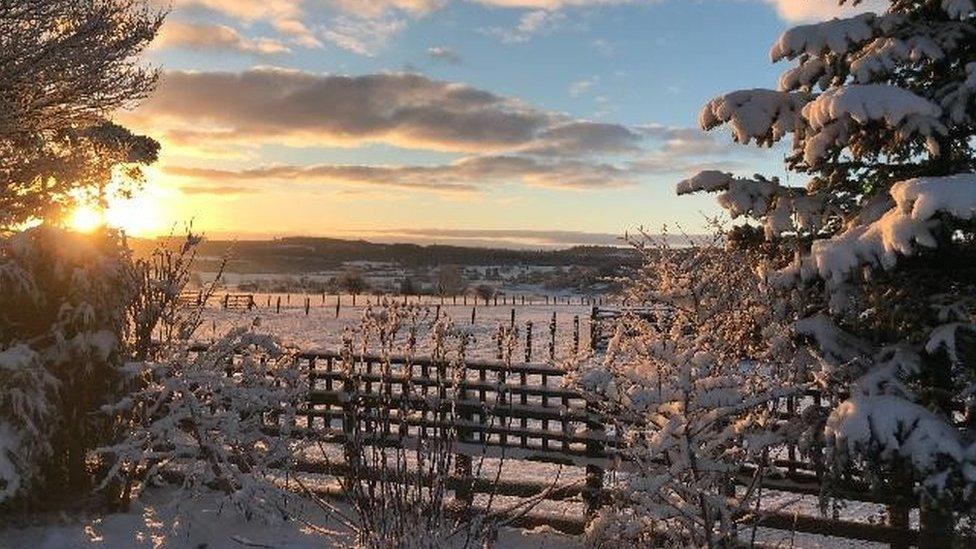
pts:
[522, 411]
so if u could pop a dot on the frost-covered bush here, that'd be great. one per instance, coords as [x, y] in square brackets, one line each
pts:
[692, 378]
[881, 111]
[63, 303]
[214, 419]
[74, 309]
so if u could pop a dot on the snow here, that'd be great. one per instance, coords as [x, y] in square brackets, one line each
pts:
[836, 36]
[741, 196]
[10, 478]
[958, 9]
[833, 342]
[892, 427]
[830, 114]
[882, 56]
[159, 520]
[321, 329]
[866, 102]
[708, 181]
[944, 336]
[760, 114]
[907, 225]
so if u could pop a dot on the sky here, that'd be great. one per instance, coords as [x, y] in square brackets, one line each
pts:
[508, 122]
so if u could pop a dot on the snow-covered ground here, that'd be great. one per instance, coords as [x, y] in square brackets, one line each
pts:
[321, 329]
[158, 520]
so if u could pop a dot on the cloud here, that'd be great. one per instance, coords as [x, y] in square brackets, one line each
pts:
[581, 87]
[508, 238]
[530, 24]
[819, 10]
[284, 15]
[444, 53]
[201, 36]
[581, 138]
[408, 110]
[363, 36]
[463, 176]
[557, 4]
[216, 190]
[379, 8]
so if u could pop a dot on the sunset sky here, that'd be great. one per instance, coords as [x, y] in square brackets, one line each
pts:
[480, 121]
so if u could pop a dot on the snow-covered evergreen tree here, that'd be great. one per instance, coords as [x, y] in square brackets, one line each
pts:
[881, 111]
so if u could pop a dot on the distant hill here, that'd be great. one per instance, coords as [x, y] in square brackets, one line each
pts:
[311, 254]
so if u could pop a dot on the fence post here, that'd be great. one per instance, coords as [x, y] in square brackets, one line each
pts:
[592, 492]
[473, 309]
[899, 510]
[552, 337]
[338, 304]
[935, 523]
[226, 300]
[278, 305]
[512, 323]
[528, 341]
[576, 335]
[463, 468]
[307, 305]
[594, 328]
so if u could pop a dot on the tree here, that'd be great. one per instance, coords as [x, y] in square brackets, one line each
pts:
[408, 286]
[881, 113]
[352, 282]
[484, 292]
[450, 280]
[65, 66]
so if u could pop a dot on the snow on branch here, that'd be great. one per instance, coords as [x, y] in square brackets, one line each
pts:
[782, 209]
[760, 114]
[837, 36]
[884, 55]
[866, 102]
[831, 115]
[958, 9]
[898, 231]
[866, 429]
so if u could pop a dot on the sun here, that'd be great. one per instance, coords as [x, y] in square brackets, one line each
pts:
[86, 218]
[134, 216]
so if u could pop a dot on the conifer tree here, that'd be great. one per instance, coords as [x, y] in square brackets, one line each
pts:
[880, 113]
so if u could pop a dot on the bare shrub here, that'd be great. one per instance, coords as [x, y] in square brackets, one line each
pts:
[692, 380]
[409, 460]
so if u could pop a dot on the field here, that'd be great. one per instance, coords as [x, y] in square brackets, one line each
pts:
[321, 328]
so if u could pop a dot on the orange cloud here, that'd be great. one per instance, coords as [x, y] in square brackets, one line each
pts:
[202, 36]
[819, 10]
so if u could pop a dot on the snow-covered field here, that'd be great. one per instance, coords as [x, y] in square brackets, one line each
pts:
[321, 329]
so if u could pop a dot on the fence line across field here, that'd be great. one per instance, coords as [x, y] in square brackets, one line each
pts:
[522, 411]
[280, 301]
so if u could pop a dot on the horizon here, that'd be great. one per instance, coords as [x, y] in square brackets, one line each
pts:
[501, 239]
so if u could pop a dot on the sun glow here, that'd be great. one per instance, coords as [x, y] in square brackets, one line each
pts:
[86, 218]
[135, 216]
